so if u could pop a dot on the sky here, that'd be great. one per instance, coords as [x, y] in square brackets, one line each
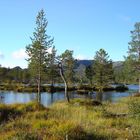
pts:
[83, 26]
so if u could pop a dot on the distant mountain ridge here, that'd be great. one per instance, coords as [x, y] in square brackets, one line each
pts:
[89, 62]
[84, 62]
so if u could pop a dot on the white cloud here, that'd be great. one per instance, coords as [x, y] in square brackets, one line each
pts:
[19, 54]
[1, 55]
[21, 63]
[80, 57]
[8, 65]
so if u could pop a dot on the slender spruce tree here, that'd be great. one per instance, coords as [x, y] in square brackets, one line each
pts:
[103, 70]
[38, 50]
[134, 50]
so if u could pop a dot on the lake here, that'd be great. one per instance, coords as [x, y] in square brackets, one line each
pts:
[10, 97]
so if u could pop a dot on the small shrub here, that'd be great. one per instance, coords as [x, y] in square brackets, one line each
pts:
[7, 112]
[121, 88]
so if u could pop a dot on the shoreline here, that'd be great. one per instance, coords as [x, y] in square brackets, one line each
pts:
[80, 89]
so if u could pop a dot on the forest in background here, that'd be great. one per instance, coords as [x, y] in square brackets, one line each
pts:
[20, 75]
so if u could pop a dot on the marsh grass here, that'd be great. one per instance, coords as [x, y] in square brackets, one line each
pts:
[81, 119]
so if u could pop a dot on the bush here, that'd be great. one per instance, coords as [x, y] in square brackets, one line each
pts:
[7, 112]
[121, 88]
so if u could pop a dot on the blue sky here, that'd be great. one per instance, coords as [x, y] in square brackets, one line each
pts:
[84, 26]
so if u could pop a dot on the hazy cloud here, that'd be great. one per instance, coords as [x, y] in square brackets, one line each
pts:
[19, 54]
[80, 57]
[1, 55]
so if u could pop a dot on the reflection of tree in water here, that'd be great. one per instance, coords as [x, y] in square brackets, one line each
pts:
[47, 98]
[32, 96]
[99, 96]
[90, 94]
[52, 97]
[108, 96]
[2, 99]
[71, 94]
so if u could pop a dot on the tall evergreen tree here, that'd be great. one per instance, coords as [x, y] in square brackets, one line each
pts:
[38, 50]
[103, 69]
[129, 73]
[134, 50]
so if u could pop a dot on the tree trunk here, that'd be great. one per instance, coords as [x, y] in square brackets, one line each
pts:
[39, 79]
[52, 86]
[38, 92]
[139, 84]
[65, 82]
[39, 85]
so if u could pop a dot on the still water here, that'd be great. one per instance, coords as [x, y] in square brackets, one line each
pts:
[10, 97]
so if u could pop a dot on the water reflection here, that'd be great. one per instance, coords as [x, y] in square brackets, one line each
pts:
[99, 96]
[49, 98]
[13, 97]
[7, 97]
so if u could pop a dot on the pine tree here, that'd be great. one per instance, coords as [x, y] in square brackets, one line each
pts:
[134, 50]
[38, 50]
[103, 69]
[129, 73]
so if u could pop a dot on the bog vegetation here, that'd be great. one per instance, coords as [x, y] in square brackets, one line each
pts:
[80, 119]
